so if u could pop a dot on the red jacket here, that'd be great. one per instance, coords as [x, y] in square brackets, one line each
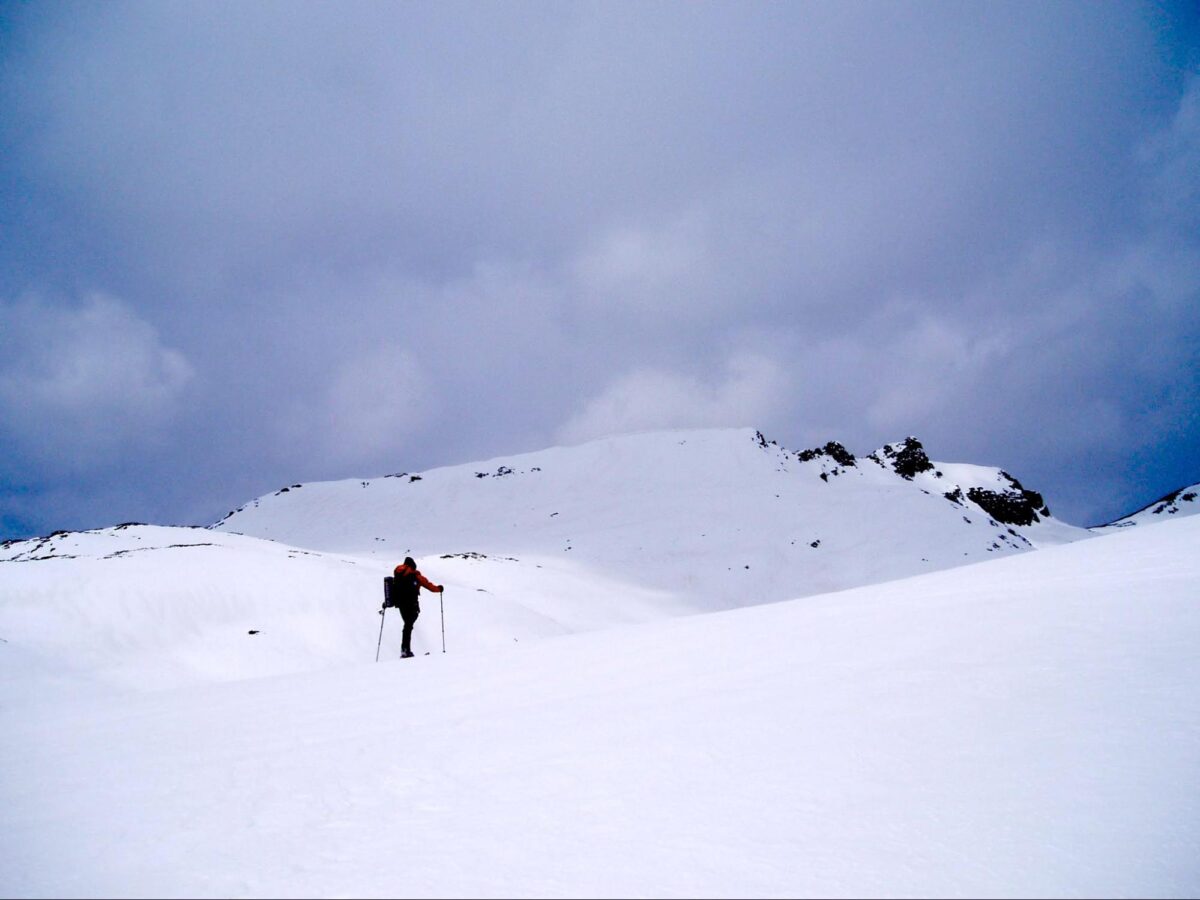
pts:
[403, 571]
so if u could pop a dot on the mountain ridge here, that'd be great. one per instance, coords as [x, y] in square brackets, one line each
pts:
[694, 498]
[1179, 502]
[620, 531]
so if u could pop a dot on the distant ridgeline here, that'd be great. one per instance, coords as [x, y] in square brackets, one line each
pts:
[1010, 503]
[1182, 502]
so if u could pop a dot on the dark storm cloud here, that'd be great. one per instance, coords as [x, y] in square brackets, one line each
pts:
[343, 240]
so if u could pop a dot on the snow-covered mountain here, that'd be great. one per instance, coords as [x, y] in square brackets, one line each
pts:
[626, 530]
[720, 518]
[1012, 724]
[1182, 502]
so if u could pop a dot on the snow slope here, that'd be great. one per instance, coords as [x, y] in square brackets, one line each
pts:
[1183, 502]
[1028, 726]
[716, 518]
[141, 607]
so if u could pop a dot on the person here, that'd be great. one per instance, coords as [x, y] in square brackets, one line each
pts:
[407, 582]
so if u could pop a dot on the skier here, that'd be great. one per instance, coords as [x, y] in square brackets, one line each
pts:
[406, 587]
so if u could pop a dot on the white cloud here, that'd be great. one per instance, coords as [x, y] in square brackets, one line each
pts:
[931, 364]
[1173, 156]
[570, 208]
[79, 385]
[647, 270]
[372, 404]
[749, 389]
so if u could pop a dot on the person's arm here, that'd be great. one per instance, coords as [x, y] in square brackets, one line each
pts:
[428, 585]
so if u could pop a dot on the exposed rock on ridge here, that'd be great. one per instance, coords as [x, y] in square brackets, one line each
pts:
[1181, 502]
[907, 458]
[1015, 507]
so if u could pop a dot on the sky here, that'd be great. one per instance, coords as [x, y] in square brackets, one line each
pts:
[244, 245]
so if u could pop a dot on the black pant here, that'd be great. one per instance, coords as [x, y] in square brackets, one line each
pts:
[409, 610]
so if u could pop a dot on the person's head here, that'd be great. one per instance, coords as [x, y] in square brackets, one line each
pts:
[408, 561]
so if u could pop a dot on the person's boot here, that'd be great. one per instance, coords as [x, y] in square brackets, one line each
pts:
[405, 653]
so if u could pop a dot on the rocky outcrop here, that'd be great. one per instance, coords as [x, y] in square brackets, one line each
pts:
[906, 459]
[833, 450]
[1013, 507]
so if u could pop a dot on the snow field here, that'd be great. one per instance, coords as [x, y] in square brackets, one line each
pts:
[1029, 726]
[143, 610]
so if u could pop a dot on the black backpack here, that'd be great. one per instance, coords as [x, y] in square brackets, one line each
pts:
[400, 589]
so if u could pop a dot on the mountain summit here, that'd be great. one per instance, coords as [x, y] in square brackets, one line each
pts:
[722, 518]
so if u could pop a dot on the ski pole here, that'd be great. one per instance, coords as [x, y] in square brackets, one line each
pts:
[442, 606]
[382, 616]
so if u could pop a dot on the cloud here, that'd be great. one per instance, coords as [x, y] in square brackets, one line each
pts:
[1173, 155]
[80, 385]
[454, 236]
[370, 407]
[639, 271]
[932, 362]
[647, 398]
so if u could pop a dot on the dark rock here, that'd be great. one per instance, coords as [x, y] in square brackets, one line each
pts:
[833, 450]
[910, 459]
[1015, 507]
[1168, 503]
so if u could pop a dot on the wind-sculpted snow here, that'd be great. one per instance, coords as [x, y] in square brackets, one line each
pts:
[150, 608]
